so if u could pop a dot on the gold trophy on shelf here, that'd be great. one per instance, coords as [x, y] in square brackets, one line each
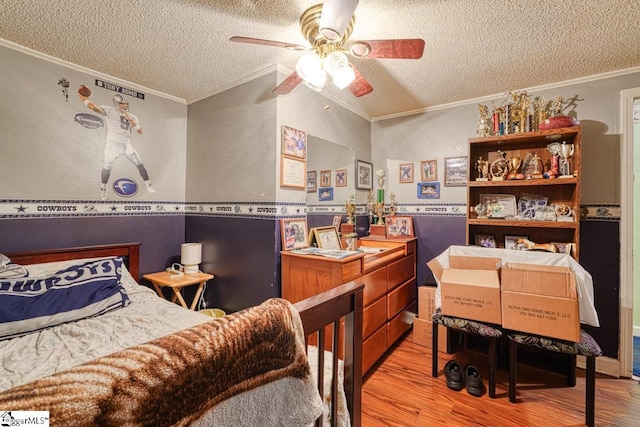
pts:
[514, 165]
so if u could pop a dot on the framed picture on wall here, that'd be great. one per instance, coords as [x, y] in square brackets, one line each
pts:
[455, 171]
[292, 172]
[341, 178]
[325, 178]
[406, 172]
[428, 190]
[429, 170]
[312, 183]
[325, 194]
[364, 175]
[294, 142]
[294, 233]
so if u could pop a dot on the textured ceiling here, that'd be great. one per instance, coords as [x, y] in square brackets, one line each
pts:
[473, 48]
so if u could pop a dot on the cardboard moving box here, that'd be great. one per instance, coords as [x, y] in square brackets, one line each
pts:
[423, 334]
[471, 294]
[541, 300]
[426, 302]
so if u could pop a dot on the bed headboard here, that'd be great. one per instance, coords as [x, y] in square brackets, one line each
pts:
[130, 252]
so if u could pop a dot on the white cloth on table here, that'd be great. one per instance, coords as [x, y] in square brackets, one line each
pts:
[584, 281]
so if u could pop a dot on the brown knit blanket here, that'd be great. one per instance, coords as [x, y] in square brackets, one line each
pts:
[176, 379]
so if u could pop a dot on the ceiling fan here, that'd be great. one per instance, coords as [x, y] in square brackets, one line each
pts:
[327, 27]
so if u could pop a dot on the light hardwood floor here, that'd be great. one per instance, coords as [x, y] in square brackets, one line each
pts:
[400, 391]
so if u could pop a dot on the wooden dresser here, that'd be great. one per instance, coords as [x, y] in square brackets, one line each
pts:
[390, 291]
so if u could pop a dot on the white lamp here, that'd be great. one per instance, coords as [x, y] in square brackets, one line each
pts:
[191, 256]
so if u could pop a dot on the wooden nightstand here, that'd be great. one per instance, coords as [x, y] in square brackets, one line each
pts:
[163, 278]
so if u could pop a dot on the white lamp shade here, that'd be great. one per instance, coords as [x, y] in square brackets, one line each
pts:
[344, 77]
[309, 68]
[191, 256]
[336, 15]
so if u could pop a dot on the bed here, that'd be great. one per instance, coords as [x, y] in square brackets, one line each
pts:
[151, 362]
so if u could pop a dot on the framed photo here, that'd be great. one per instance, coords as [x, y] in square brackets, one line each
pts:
[294, 233]
[428, 190]
[325, 237]
[429, 170]
[455, 171]
[292, 172]
[564, 248]
[406, 172]
[511, 242]
[364, 175]
[486, 240]
[294, 142]
[337, 220]
[312, 183]
[325, 178]
[399, 226]
[325, 194]
[341, 178]
[499, 205]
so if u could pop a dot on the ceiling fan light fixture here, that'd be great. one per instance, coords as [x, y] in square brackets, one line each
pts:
[336, 15]
[360, 49]
[335, 62]
[309, 68]
[344, 77]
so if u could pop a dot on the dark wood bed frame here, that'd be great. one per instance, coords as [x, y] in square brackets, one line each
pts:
[331, 309]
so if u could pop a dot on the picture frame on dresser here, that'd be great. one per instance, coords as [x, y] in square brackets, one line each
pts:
[294, 233]
[325, 237]
[399, 226]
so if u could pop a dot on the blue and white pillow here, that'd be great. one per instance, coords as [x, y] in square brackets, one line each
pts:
[84, 290]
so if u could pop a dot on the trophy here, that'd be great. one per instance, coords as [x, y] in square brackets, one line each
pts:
[351, 210]
[514, 165]
[483, 169]
[499, 167]
[537, 167]
[566, 151]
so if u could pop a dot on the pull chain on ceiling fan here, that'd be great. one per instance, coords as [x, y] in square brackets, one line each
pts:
[327, 28]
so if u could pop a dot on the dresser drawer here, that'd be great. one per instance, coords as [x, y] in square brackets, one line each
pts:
[401, 323]
[375, 285]
[401, 297]
[374, 316]
[400, 271]
[351, 270]
[374, 347]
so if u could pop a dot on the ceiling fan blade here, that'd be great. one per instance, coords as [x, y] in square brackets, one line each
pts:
[263, 42]
[288, 84]
[390, 49]
[360, 86]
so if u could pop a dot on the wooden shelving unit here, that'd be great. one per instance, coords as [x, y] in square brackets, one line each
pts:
[556, 190]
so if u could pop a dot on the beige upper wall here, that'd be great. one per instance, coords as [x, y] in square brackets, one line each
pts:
[45, 154]
[444, 133]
